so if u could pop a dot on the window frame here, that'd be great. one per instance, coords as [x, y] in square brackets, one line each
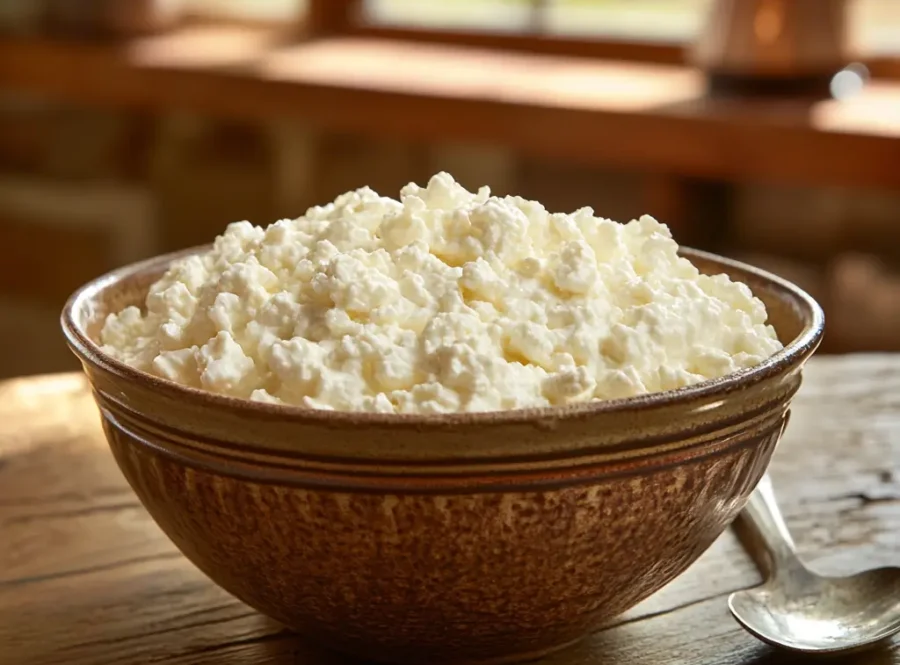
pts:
[657, 52]
[352, 22]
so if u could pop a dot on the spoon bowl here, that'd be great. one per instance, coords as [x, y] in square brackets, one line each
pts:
[835, 615]
[800, 610]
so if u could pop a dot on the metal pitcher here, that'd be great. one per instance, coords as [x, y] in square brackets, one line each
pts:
[773, 38]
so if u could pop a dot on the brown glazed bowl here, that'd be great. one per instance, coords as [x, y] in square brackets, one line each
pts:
[464, 538]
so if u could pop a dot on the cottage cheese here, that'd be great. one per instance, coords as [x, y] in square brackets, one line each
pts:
[443, 301]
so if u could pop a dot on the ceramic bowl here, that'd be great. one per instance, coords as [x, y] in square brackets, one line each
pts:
[464, 538]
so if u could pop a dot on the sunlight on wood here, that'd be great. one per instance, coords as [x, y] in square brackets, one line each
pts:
[203, 46]
[470, 73]
[875, 111]
[24, 406]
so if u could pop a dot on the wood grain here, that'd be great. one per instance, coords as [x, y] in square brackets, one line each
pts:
[86, 578]
[602, 112]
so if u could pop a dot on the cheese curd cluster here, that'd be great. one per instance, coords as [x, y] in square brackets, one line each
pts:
[444, 301]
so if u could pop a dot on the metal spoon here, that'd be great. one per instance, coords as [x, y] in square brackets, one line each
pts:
[799, 610]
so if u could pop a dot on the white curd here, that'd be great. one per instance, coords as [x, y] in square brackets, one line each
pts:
[443, 301]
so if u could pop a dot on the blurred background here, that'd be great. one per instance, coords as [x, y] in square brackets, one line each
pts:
[134, 127]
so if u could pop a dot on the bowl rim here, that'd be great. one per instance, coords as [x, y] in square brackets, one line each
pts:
[801, 346]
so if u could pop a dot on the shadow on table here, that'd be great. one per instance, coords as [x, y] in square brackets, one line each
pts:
[272, 644]
[886, 655]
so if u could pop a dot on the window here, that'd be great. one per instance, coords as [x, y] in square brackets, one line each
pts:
[492, 15]
[647, 19]
[666, 20]
[254, 10]
[643, 30]
[875, 24]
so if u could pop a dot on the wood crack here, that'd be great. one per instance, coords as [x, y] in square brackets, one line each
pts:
[75, 497]
[869, 498]
[282, 634]
[246, 612]
[79, 512]
[865, 499]
[35, 579]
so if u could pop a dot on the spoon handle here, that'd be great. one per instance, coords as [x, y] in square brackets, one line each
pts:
[772, 549]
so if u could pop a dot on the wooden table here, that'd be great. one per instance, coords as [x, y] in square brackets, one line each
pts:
[86, 578]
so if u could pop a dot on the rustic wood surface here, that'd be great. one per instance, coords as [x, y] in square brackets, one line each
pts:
[602, 112]
[86, 578]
